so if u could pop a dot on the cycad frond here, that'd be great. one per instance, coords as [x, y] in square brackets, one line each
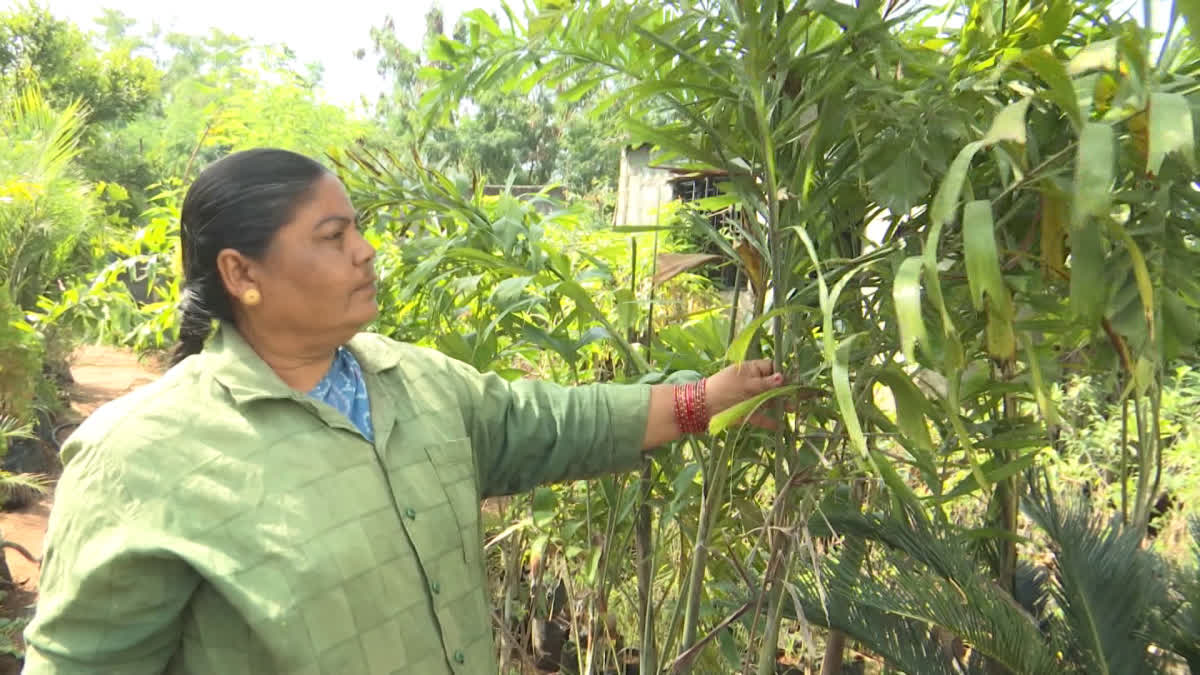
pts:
[943, 589]
[1103, 581]
[1176, 626]
[903, 642]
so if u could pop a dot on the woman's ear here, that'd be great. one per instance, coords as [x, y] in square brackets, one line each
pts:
[237, 272]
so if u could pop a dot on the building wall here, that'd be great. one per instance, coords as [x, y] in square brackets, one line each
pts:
[641, 190]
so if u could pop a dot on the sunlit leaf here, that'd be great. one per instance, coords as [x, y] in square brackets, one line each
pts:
[1060, 90]
[906, 294]
[1009, 124]
[1170, 130]
[983, 262]
[727, 418]
[1096, 56]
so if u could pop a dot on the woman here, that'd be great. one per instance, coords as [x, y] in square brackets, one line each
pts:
[296, 497]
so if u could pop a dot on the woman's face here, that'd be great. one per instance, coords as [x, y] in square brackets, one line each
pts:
[317, 278]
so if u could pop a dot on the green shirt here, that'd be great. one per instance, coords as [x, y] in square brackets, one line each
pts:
[218, 521]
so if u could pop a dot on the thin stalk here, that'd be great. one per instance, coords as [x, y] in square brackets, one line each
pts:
[645, 556]
[1140, 499]
[715, 476]
[1124, 460]
[767, 656]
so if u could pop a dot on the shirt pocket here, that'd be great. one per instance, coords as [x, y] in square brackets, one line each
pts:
[454, 462]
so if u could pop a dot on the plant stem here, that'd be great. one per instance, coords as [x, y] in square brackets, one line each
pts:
[715, 476]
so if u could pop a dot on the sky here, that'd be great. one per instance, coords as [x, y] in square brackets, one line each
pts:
[328, 33]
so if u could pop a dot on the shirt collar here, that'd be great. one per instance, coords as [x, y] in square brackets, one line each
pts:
[238, 368]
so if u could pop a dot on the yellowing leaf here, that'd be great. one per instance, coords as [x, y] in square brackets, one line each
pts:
[1055, 211]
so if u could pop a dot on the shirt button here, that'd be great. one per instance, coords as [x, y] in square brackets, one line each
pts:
[435, 587]
[459, 657]
[410, 513]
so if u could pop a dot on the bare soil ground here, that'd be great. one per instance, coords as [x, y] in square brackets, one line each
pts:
[101, 374]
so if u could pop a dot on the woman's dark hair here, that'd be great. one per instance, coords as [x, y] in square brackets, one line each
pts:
[238, 202]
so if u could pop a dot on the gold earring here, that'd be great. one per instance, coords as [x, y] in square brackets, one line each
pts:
[251, 297]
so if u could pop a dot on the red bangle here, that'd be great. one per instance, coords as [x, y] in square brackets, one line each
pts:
[691, 408]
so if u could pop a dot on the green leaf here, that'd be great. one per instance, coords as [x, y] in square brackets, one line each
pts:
[741, 344]
[984, 276]
[902, 185]
[910, 418]
[1040, 392]
[906, 294]
[545, 504]
[727, 418]
[995, 472]
[1170, 131]
[1141, 274]
[1096, 56]
[945, 202]
[1009, 124]
[1089, 278]
[1094, 169]
[509, 291]
[1060, 90]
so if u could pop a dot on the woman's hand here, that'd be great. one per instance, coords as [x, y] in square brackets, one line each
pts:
[737, 383]
[740, 382]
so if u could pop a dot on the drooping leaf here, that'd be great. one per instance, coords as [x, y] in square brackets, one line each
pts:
[1170, 130]
[1141, 274]
[906, 294]
[1089, 278]
[946, 200]
[983, 262]
[1093, 172]
[910, 418]
[1045, 404]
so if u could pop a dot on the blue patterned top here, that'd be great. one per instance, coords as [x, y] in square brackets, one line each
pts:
[344, 388]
